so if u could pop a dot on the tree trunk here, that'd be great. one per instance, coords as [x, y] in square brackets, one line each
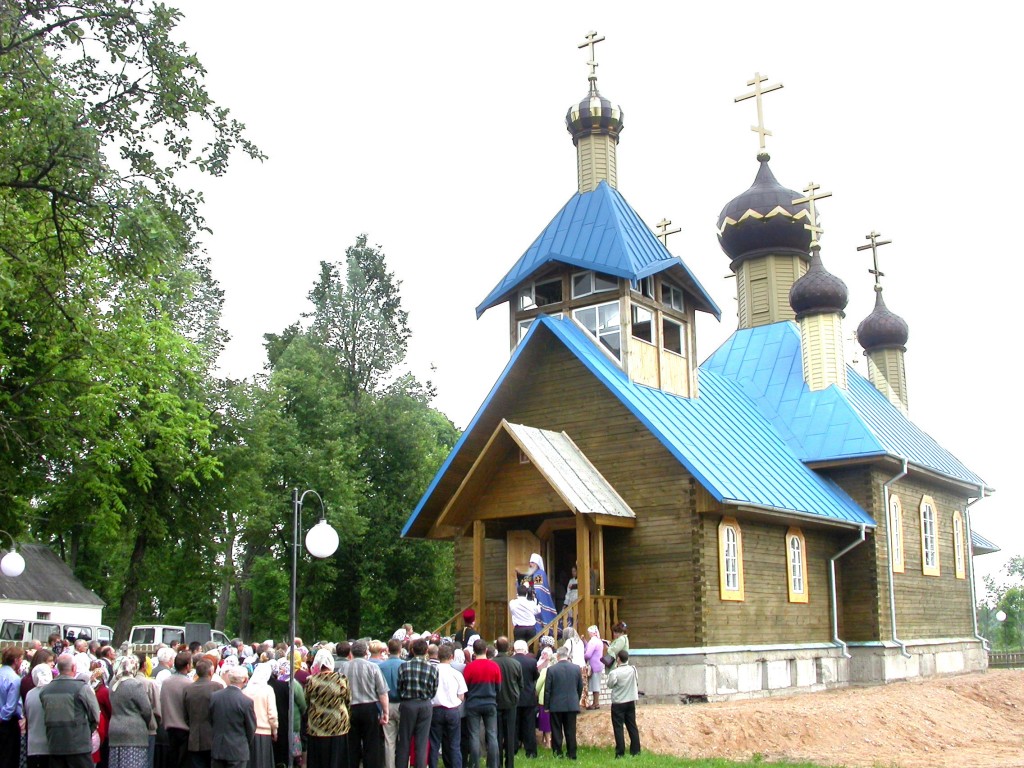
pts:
[132, 580]
[225, 584]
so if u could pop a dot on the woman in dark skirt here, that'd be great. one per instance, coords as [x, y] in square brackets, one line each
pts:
[327, 701]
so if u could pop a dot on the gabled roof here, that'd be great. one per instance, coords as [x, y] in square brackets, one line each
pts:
[832, 424]
[720, 438]
[982, 546]
[599, 230]
[47, 579]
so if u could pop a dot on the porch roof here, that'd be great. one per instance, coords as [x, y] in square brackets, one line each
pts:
[574, 478]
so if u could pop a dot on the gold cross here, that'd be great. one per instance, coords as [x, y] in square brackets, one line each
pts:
[874, 246]
[756, 94]
[664, 231]
[810, 190]
[591, 41]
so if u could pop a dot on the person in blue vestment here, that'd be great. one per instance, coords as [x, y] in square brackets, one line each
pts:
[542, 589]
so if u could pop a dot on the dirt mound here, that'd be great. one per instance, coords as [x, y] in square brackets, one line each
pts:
[972, 720]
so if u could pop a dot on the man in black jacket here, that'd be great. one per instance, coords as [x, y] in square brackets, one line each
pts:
[508, 701]
[526, 707]
[562, 691]
[233, 717]
[71, 713]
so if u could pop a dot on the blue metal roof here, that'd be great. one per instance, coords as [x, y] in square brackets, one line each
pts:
[721, 438]
[831, 424]
[597, 230]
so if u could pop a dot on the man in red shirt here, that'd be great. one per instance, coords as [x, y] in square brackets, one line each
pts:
[483, 679]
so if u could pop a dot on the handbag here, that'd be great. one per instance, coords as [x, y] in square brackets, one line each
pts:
[607, 660]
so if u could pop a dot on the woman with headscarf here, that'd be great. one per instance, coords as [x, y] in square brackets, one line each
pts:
[37, 749]
[542, 590]
[282, 685]
[98, 681]
[547, 652]
[593, 653]
[261, 751]
[327, 715]
[131, 716]
[229, 662]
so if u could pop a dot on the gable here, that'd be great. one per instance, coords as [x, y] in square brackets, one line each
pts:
[47, 579]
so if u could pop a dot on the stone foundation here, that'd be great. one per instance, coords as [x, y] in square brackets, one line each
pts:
[725, 673]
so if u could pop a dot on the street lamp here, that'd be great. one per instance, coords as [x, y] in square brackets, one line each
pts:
[12, 564]
[321, 542]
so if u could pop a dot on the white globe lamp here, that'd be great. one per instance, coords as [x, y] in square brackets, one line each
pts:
[13, 564]
[1000, 615]
[322, 540]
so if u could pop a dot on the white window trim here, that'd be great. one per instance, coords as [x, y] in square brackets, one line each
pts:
[682, 337]
[796, 572]
[597, 313]
[730, 591]
[959, 552]
[930, 565]
[593, 283]
[896, 534]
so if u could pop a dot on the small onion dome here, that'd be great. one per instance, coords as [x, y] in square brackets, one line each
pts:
[764, 220]
[593, 115]
[818, 292]
[882, 329]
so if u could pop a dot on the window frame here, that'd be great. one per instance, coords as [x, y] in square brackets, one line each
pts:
[682, 336]
[896, 538]
[930, 563]
[730, 592]
[598, 333]
[634, 310]
[593, 276]
[672, 289]
[529, 293]
[959, 551]
[798, 592]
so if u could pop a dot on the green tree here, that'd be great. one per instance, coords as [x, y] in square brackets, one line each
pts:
[109, 319]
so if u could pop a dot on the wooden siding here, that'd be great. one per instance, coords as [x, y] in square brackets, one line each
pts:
[763, 285]
[821, 344]
[766, 615]
[649, 567]
[595, 162]
[643, 361]
[926, 606]
[887, 372]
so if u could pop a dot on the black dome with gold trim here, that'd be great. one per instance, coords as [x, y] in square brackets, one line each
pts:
[818, 291]
[764, 220]
[882, 329]
[594, 114]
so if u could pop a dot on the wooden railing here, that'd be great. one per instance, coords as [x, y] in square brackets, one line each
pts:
[1015, 659]
[604, 613]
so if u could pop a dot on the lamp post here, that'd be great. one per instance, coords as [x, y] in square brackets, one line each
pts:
[321, 542]
[12, 564]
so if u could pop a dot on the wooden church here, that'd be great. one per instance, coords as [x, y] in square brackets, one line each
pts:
[765, 520]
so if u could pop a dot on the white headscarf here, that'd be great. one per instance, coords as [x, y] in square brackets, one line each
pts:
[42, 674]
[324, 659]
[261, 675]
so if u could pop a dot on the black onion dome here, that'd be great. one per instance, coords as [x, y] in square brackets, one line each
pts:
[594, 114]
[818, 291]
[882, 329]
[764, 220]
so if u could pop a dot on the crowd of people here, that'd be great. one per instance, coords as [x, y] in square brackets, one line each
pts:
[414, 700]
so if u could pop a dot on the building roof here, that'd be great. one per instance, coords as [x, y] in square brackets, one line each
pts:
[599, 230]
[721, 438]
[46, 579]
[982, 546]
[831, 424]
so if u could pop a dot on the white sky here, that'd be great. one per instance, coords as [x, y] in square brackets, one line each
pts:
[438, 129]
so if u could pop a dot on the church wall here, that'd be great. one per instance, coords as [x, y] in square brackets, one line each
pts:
[926, 606]
[765, 615]
[650, 567]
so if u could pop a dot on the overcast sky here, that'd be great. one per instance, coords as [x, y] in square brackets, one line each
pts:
[438, 130]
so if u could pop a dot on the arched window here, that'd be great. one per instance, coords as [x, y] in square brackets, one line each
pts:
[959, 560]
[730, 559]
[929, 538]
[796, 560]
[896, 533]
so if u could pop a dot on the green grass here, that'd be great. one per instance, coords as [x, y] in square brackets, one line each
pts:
[600, 757]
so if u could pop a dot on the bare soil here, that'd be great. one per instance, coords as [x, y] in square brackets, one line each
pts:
[974, 721]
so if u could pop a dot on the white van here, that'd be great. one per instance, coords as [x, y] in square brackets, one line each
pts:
[23, 630]
[153, 634]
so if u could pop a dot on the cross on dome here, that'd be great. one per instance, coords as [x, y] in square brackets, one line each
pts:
[811, 192]
[590, 42]
[874, 246]
[756, 94]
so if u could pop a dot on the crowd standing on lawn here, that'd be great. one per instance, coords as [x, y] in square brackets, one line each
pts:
[419, 700]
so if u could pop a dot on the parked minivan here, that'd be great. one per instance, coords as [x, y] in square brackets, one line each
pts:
[21, 630]
[151, 634]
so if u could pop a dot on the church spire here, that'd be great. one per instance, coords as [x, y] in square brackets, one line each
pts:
[595, 124]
